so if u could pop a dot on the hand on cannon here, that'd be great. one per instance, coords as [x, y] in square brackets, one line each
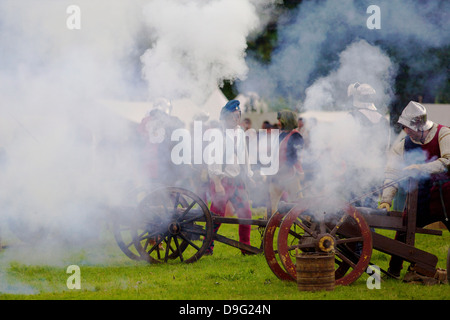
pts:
[384, 205]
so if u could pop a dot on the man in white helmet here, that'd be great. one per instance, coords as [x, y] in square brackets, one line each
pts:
[424, 153]
[363, 96]
[374, 127]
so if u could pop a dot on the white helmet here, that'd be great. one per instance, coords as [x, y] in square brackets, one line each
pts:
[363, 95]
[163, 104]
[414, 116]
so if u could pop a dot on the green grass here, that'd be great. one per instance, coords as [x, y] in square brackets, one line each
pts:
[106, 273]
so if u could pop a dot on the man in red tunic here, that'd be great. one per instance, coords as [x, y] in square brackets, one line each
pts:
[424, 153]
[227, 179]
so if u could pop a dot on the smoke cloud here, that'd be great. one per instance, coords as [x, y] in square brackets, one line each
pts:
[360, 62]
[198, 46]
[57, 170]
[66, 156]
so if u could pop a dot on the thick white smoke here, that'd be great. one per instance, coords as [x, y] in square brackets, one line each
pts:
[357, 151]
[64, 154]
[67, 155]
[359, 62]
[199, 44]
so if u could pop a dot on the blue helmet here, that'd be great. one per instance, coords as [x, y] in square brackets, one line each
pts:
[231, 106]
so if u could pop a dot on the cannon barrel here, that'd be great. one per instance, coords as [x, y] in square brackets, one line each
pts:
[377, 218]
[284, 207]
[371, 211]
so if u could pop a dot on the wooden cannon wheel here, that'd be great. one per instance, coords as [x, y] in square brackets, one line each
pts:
[270, 246]
[173, 223]
[125, 222]
[343, 232]
[124, 232]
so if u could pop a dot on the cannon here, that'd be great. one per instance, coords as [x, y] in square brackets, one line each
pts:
[174, 224]
[346, 231]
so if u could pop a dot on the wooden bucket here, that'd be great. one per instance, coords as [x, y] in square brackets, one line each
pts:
[315, 271]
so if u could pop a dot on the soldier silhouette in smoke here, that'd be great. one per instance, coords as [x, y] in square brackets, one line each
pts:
[228, 179]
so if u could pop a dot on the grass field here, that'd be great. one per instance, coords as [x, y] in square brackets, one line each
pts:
[106, 273]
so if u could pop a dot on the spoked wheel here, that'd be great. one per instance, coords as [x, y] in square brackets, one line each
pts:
[174, 223]
[124, 232]
[270, 246]
[343, 232]
[125, 222]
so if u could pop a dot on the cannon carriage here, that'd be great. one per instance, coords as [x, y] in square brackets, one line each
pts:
[174, 224]
[350, 233]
